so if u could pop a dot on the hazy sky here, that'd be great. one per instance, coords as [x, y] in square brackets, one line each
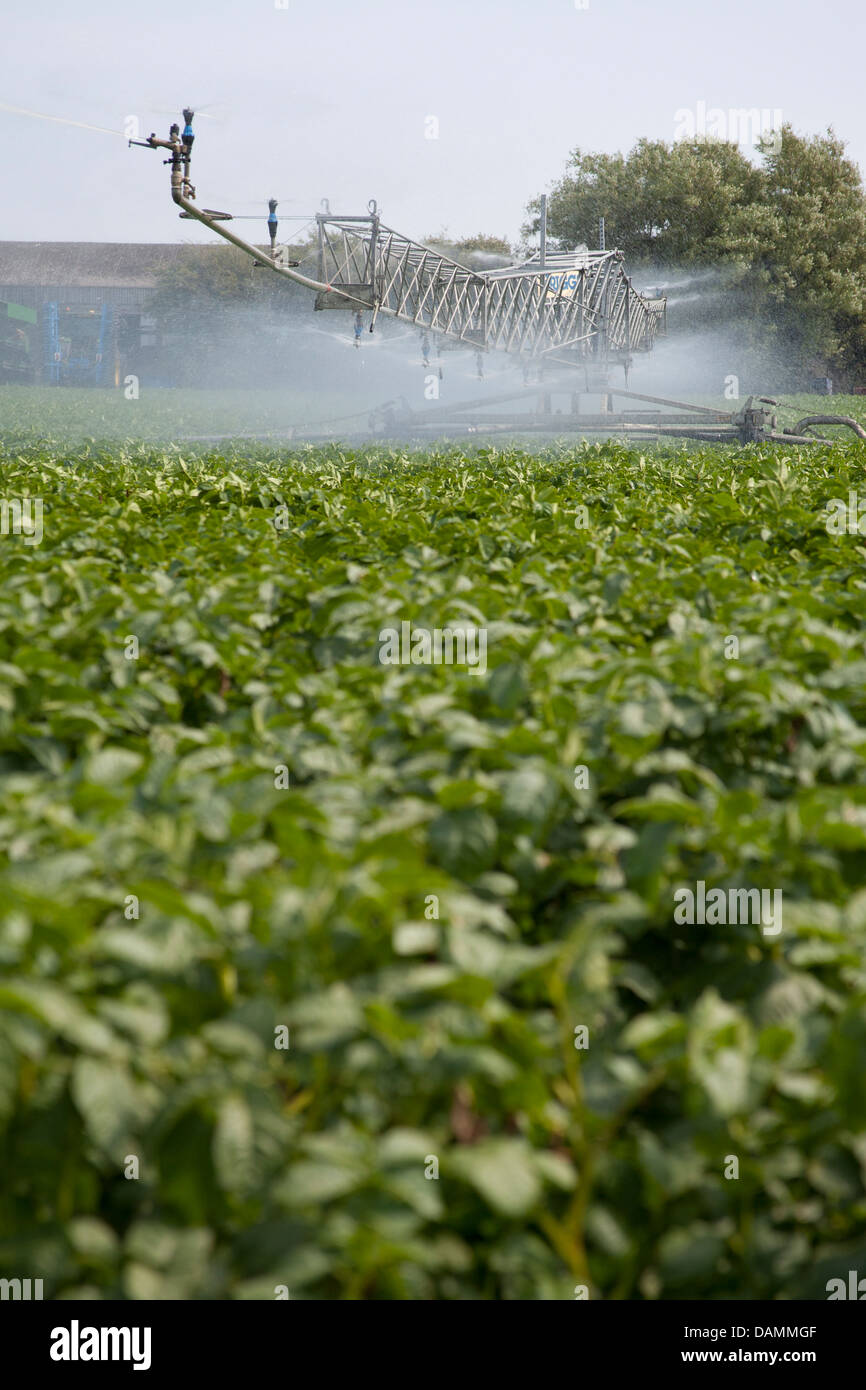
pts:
[333, 98]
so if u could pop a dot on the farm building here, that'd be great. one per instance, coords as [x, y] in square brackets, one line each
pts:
[75, 312]
[80, 313]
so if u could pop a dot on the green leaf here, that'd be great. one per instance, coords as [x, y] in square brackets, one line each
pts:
[106, 1097]
[507, 686]
[464, 841]
[109, 766]
[233, 1145]
[502, 1171]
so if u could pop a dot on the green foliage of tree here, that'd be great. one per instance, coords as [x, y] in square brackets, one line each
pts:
[801, 247]
[661, 203]
[205, 275]
[208, 278]
[475, 251]
[789, 234]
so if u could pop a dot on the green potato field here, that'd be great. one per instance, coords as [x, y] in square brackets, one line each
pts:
[328, 977]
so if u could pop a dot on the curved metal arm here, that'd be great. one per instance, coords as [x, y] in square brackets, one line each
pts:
[179, 195]
[247, 246]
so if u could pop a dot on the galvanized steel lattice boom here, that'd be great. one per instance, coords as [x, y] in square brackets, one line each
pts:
[580, 302]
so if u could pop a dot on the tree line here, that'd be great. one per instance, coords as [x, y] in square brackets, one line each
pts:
[787, 236]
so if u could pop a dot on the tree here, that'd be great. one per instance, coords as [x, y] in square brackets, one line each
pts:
[207, 277]
[803, 249]
[788, 236]
[479, 252]
[668, 204]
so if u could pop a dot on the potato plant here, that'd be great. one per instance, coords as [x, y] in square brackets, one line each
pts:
[344, 979]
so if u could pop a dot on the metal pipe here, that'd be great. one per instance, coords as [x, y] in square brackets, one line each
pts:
[259, 256]
[543, 247]
[627, 317]
[666, 400]
[829, 420]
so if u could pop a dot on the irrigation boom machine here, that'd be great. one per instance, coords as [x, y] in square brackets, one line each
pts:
[556, 310]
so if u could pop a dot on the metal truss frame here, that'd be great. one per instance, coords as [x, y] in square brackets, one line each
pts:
[583, 304]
